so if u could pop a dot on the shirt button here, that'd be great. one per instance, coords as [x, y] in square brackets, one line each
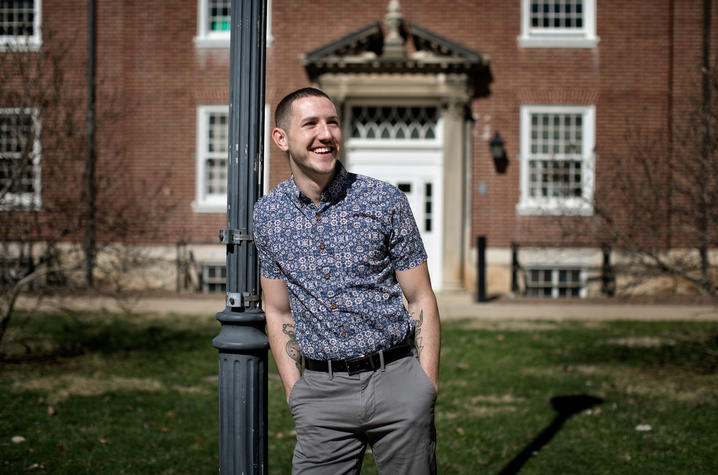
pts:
[326, 276]
[319, 218]
[322, 246]
[343, 334]
[334, 306]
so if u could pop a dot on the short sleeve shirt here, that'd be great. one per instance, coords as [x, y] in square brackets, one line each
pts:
[338, 261]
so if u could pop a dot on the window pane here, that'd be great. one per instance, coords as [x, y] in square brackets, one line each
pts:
[216, 179]
[218, 133]
[17, 18]
[214, 278]
[556, 152]
[428, 207]
[18, 167]
[553, 282]
[557, 14]
[219, 15]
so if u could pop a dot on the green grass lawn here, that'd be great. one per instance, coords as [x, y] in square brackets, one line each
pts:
[135, 394]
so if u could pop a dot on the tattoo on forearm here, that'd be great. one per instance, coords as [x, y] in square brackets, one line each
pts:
[292, 347]
[418, 338]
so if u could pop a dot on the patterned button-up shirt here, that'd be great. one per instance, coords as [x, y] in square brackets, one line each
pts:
[338, 261]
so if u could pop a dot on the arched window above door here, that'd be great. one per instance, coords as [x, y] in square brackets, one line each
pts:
[394, 122]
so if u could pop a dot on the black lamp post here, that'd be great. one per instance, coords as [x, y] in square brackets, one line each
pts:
[498, 153]
[242, 343]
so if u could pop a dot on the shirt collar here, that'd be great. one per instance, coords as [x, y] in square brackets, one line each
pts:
[336, 189]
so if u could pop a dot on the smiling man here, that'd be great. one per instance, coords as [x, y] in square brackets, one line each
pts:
[338, 252]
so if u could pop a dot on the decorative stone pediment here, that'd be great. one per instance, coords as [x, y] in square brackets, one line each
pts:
[399, 48]
[360, 47]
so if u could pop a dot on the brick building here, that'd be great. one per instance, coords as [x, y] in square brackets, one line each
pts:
[423, 88]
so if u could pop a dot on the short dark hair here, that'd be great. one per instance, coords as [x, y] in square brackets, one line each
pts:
[284, 108]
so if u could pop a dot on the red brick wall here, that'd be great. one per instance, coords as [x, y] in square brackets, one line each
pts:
[148, 60]
[147, 54]
[627, 77]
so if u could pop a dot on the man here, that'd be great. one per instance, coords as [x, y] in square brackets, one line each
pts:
[337, 252]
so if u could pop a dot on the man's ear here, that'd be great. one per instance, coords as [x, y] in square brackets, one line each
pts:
[280, 138]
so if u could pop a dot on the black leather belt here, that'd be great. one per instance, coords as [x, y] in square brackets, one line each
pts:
[359, 364]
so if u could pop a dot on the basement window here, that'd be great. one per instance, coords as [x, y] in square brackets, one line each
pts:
[15, 269]
[555, 282]
[214, 278]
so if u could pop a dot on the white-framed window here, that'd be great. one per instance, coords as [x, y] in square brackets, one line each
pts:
[20, 155]
[213, 23]
[211, 155]
[557, 159]
[558, 24]
[555, 282]
[20, 22]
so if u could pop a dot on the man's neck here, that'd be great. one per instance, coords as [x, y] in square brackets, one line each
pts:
[312, 186]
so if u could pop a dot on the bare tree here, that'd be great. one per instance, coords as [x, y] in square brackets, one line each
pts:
[658, 203]
[43, 195]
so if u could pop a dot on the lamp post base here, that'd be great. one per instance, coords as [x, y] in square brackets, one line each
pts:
[242, 346]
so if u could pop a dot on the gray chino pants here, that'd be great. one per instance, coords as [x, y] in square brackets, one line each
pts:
[337, 415]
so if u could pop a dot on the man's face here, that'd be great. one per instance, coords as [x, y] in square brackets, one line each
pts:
[313, 137]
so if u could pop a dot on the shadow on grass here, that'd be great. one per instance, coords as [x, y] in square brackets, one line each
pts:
[565, 406]
[696, 352]
[49, 336]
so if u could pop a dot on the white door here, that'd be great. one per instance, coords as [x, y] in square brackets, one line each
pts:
[402, 145]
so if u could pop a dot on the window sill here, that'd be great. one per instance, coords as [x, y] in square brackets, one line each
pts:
[553, 209]
[21, 203]
[208, 207]
[205, 42]
[16, 46]
[557, 42]
[208, 42]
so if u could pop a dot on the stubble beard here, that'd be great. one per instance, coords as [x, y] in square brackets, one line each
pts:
[310, 170]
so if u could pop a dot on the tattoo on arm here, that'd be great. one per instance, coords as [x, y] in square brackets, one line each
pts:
[418, 339]
[292, 347]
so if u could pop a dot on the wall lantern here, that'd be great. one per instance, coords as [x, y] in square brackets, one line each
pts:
[498, 153]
